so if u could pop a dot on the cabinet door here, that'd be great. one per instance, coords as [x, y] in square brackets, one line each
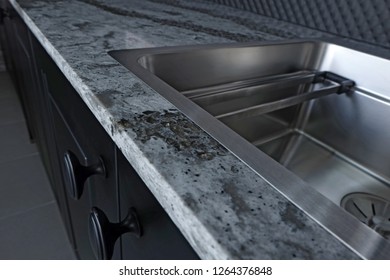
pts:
[160, 238]
[103, 188]
[78, 209]
[96, 160]
[42, 111]
[94, 148]
[46, 141]
[8, 40]
[5, 41]
[22, 66]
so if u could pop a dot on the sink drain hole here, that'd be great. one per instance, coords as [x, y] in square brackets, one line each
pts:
[372, 210]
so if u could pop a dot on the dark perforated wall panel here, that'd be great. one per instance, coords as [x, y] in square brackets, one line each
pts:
[365, 20]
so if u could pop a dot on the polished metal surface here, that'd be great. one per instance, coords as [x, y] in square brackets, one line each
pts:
[314, 152]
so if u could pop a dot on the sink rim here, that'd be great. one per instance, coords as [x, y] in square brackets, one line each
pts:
[330, 216]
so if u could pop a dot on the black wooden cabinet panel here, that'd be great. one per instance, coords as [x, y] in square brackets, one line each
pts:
[7, 38]
[22, 66]
[79, 209]
[160, 238]
[47, 141]
[93, 146]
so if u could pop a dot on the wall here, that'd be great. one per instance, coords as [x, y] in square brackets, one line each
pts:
[363, 20]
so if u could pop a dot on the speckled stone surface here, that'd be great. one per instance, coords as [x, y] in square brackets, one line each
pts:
[221, 206]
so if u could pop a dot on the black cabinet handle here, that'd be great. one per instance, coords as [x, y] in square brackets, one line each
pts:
[76, 174]
[103, 234]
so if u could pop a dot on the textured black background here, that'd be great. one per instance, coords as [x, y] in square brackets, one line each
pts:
[364, 20]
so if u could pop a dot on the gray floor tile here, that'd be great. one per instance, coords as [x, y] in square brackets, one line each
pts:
[37, 234]
[2, 63]
[14, 142]
[10, 110]
[6, 86]
[23, 185]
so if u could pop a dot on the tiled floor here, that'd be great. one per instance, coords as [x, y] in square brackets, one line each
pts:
[30, 223]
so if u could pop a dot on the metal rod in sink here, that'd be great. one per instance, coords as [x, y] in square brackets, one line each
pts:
[225, 90]
[279, 104]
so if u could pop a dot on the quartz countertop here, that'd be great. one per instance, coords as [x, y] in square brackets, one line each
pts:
[223, 208]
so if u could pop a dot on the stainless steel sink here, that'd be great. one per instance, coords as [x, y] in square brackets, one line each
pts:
[311, 118]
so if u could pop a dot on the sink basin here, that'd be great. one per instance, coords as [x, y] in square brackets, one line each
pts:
[309, 117]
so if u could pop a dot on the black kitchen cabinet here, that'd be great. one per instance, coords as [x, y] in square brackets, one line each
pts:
[21, 63]
[86, 155]
[78, 210]
[107, 209]
[44, 112]
[85, 188]
[6, 38]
